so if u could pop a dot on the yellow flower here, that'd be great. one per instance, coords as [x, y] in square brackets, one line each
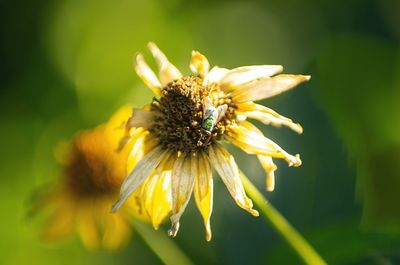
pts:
[186, 123]
[92, 173]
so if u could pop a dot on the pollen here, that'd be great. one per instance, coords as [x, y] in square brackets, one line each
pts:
[179, 114]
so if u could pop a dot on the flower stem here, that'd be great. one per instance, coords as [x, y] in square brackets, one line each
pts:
[293, 238]
[163, 246]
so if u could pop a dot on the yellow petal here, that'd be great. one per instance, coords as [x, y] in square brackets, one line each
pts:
[138, 120]
[253, 142]
[147, 75]
[269, 167]
[61, 221]
[157, 197]
[227, 169]
[203, 192]
[87, 228]
[114, 129]
[244, 74]
[162, 200]
[266, 87]
[138, 140]
[199, 64]
[183, 175]
[116, 231]
[133, 206]
[266, 116]
[168, 72]
[142, 170]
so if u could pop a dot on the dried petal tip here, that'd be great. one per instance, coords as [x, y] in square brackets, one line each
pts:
[173, 231]
[297, 128]
[208, 232]
[253, 212]
[270, 186]
[294, 161]
[249, 208]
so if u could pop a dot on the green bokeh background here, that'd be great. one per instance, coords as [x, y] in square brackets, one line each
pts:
[67, 65]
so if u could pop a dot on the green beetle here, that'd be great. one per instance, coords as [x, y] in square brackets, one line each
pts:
[212, 115]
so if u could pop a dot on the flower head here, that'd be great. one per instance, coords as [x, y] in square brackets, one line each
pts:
[187, 121]
[92, 172]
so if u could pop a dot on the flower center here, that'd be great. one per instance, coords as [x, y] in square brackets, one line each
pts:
[92, 168]
[179, 124]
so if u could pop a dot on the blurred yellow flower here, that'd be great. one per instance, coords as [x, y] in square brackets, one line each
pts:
[92, 172]
[184, 127]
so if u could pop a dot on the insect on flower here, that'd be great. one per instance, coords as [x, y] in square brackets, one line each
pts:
[211, 116]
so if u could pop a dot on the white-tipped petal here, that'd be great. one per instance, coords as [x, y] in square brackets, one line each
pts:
[143, 168]
[182, 179]
[253, 142]
[203, 192]
[147, 75]
[266, 87]
[269, 167]
[225, 165]
[199, 64]
[267, 116]
[241, 75]
[215, 74]
[168, 72]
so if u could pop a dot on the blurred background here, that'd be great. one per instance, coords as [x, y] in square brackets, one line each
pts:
[67, 65]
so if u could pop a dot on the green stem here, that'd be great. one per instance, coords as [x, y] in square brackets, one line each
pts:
[293, 238]
[163, 246]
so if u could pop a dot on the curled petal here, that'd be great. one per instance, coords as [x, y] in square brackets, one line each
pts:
[183, 175]
[199, 64]
[253, 142]
[266, 87]
[215, 74]
[242, 75]
[143, 168]
[203, 192]
[147, 75]
[227, 169]
[269, 167]
[168, 72]
[140, 118]
[267, 116]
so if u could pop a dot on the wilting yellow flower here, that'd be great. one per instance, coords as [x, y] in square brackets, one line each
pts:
[92, 173]
[186, 123]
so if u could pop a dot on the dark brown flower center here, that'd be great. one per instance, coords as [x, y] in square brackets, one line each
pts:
[179, 115]
[92, 168]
